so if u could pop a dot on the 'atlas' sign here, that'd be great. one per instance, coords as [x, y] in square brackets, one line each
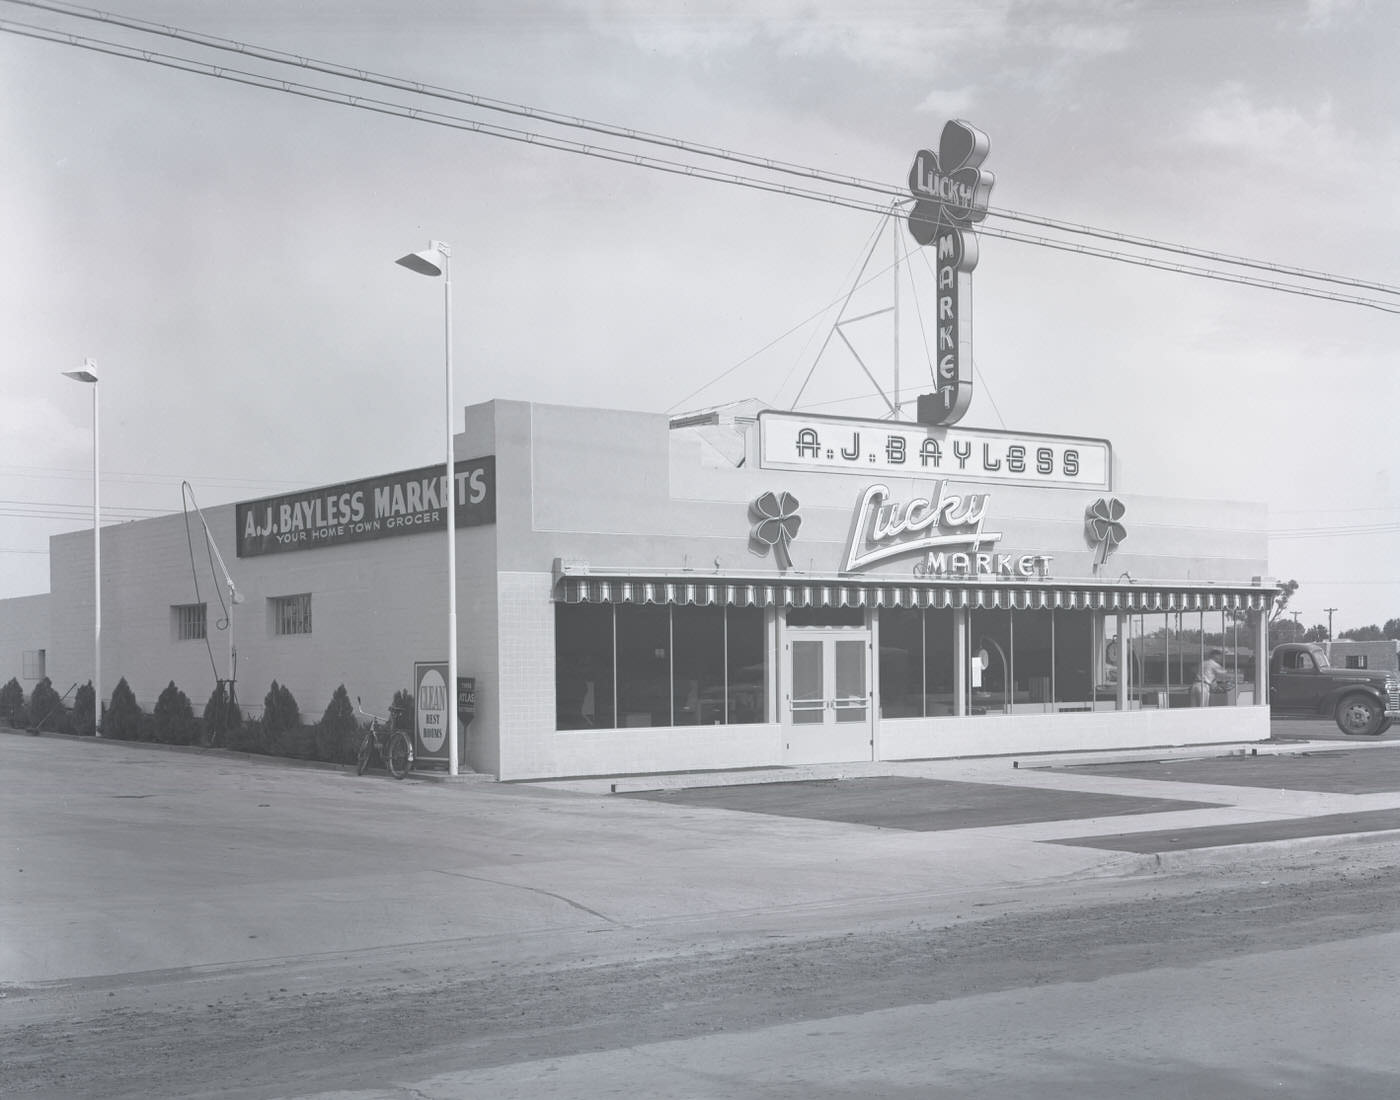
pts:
[379, 507]
[951, 192]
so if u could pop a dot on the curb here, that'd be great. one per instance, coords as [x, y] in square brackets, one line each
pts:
[1222, 854]
[238, 754]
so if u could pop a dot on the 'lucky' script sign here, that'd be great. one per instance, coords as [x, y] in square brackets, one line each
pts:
[886, 528]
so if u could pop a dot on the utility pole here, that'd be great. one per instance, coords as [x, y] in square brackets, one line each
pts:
[1329, 611]
[1297, 626]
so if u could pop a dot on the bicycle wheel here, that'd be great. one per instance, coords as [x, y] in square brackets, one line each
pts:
[398, 756]
[363, 753]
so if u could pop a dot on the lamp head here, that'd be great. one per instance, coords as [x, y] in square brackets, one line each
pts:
[431, 261]
[88, 374]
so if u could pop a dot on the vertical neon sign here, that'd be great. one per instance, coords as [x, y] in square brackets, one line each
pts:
[951, 192]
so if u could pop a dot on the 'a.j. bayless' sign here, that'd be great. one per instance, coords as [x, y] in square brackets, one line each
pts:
[802, 441]
[405, 503]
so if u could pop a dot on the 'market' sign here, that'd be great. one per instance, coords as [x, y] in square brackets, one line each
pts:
[950, 192]
[378, 507]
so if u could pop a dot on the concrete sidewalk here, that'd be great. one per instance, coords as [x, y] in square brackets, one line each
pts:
[1152, 801]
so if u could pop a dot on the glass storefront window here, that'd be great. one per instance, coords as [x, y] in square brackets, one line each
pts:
[901, 672]
[669, 666]
[940, 672]
[1076, 660]
[1165, 654]
[1108, 663]
[583, 666]
[746, 665]
[697, 682]
[990, 671]
[659, 665]
[1033, 659]
[644, 664]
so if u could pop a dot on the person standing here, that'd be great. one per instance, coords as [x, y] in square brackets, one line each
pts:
[1210, 673]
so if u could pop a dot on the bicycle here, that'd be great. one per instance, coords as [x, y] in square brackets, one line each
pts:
[390, 745]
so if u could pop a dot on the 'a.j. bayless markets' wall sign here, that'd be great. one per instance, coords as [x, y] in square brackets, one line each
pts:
[793, 441]
[405, 503]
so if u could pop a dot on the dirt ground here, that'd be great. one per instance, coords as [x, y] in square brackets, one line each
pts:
[362, 1021]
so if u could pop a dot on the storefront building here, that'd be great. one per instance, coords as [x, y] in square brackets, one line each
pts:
[745, 589]
[752, 588]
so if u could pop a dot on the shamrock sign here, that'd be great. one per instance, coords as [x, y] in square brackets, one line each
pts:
[951, 189]
[775, 524]
[1102, 527]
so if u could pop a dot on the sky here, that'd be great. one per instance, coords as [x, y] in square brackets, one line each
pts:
[224, 253]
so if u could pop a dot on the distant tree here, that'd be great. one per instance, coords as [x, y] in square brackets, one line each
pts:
[1392, 629]
[174, 717]
[84, 716]
[123, 714]
[1370, 633]
[1281, 604]
[1316, 633]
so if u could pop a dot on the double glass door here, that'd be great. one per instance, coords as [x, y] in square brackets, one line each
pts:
[827, 705]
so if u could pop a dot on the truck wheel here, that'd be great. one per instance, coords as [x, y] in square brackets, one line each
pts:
[1385, 725]
[1359, 714]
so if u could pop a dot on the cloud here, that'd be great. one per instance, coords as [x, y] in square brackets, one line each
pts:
[1092, 41]
[1277, 135]
[1322, 13]
[905, 35]
[952, 102]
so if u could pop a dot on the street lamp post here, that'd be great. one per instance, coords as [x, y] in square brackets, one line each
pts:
[433, 261]
[88, 375]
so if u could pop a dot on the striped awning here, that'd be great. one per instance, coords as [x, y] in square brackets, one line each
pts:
[1041, 595]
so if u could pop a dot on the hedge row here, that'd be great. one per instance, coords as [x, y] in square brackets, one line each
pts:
[278, 732]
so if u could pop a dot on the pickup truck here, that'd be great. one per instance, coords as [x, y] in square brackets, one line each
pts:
[1303, 681]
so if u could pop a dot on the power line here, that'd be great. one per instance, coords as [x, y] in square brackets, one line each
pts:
[639, 160]
[49, 509]
[67, 474]
[770, 164]
[1336, 532]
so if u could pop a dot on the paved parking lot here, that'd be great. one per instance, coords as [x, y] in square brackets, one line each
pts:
[918, 804]
[1339, 771]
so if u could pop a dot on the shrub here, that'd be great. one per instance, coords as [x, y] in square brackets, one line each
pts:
[46, 710]
[337, 733]
[124, 714]
[282, 734]
[83, 718]
[247, 736]
[280, 710]
[222, 718]
[173, 718]
[11, 701]
[401, 718]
